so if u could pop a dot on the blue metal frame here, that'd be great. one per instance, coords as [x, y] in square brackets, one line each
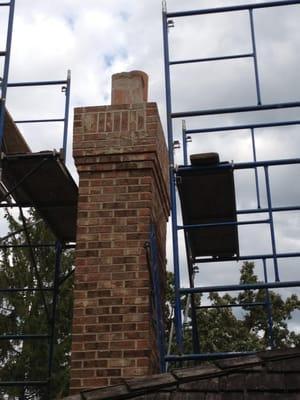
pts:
[241, 127]
[177, 311]
[252, 165]
[241, 7]
[66, 88]
[6, 55]
[255, 169]
[231, 110]
[245, 286]
[58, 280]
[268, 306]
[57, 268]
[5, 84]
[155, 275]
[66, 118]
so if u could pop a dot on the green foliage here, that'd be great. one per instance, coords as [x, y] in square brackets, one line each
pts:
[240, 328]
[24, 312]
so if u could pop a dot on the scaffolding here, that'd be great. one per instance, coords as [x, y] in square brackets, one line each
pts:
[210, 227]
[41, 181]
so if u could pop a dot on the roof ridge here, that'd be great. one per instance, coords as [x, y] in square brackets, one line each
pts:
[149, 384]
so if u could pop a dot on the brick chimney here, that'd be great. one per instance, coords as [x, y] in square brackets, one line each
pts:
[122, 162]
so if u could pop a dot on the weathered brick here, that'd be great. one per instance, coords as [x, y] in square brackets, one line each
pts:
[108, 125]
[122, 162]
[95, 382]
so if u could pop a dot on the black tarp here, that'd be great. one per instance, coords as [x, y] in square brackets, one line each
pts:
[207, 196]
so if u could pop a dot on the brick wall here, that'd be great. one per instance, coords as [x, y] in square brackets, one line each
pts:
[121, 158]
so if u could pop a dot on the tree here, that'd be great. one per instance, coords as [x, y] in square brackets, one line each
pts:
[25, 312]
[225, 329]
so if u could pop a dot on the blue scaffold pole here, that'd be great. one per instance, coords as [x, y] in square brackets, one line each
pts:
[6, 68]
[178, 317]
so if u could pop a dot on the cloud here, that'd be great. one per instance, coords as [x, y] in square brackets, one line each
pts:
[96, 38]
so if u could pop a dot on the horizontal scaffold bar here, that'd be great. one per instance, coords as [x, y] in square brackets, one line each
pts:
[242, 165]
[247, 257]
[38, 83]
[246, 286]
[23, 383]
[229, 223]
[34, 121]
[209, 59]
[232, 110]
[242, 7]
[265, 210]
[14, 290]
[5, 4]
[255, 304]
[24, 337]
[241, 127]
[206, 356]
[29, 204]
[26, 245]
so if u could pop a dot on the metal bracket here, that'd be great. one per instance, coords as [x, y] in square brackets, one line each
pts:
[171, 23]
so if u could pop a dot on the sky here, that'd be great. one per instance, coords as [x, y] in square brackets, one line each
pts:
[96, 38]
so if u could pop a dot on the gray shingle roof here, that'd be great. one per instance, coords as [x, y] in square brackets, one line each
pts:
[269, 375]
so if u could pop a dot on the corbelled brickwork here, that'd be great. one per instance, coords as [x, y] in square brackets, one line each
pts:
[122, 161]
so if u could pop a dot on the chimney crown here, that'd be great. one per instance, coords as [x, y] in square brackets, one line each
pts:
[129, 88]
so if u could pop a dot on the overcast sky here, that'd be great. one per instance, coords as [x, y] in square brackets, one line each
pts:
[96, 38]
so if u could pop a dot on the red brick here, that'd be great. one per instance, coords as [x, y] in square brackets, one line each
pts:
[90, 122]
[108, 125]
[75, 383]
[86, 373]
[95, 382]
[121, 362]
[122, 344]
[76, 364]
[123, 327]
[111, 319]
[109, 354]
[104, 327]
[83, 355]
[77, 346]
[84, 338]
[111, 301]
[95, 364]
[142, 362]
[101, 122]
[125, 120]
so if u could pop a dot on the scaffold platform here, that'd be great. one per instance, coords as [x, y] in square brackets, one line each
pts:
[41, 180]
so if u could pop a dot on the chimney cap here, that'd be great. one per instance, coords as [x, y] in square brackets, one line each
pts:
[129, 87]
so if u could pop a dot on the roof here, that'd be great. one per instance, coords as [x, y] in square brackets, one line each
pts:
[266, 375]
[13, 141]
